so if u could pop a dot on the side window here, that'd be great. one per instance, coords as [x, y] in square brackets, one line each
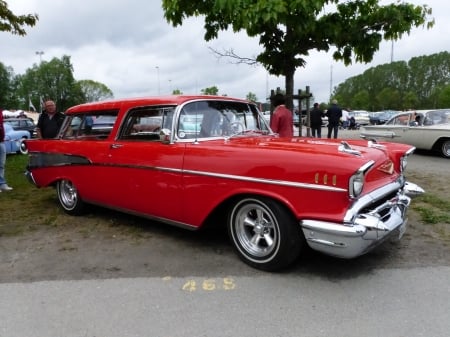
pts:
[146, 123]
[205, 119]
[89, 126]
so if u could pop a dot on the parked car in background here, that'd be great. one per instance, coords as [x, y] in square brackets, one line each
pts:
[381, 117]
[22, 124]
[228, 168]
[14, 140]
[361, 117]
[427, 130]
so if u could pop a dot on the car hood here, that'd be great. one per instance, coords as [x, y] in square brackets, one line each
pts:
[312, 155]
[361, 150]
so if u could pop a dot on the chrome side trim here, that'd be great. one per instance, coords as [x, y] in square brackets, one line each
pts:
[266, 181]
[45, 159]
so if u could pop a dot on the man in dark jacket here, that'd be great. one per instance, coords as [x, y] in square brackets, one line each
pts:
[49, 121]
[334, 114]
[316, 120]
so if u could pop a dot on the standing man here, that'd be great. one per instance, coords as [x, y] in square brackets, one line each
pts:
[334, 114]
[282, 121]
[316, 120]
[49, 121]
[3, 185]
[345, 118]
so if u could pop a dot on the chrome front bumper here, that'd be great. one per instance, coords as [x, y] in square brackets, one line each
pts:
[364, 229]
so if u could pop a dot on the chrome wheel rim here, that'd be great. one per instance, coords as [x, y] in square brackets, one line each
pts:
[23, 147]
[256, 230]
[68, 194]
[446, 149]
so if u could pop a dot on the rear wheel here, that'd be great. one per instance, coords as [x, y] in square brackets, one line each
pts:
[265, 234]
[23, 149]
[69, 197]
[445, 148]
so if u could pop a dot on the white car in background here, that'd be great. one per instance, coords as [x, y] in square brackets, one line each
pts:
[425, 129]
[361, 117]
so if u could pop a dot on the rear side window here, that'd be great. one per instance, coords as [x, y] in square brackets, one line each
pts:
[86, 126]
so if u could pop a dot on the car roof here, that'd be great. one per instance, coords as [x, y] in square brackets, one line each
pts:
[127, 103]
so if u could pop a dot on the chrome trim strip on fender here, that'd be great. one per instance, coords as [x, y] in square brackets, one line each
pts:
[267, 181]
[43, 159]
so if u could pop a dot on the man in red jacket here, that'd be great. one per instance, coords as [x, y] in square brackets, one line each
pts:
[282, 121]
[3, 185]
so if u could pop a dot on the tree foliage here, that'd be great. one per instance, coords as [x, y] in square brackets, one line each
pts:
[401, 85]
[15, 24]
[7, 100]
[94, 91]
[210, 91]
[252, 97]
[288, 30]
[48, 80]
[51, 80]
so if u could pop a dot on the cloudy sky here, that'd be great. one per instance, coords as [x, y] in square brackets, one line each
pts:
[128, 46]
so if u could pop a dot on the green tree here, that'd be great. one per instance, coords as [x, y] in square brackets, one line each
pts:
[361, 101]
[410, 101]
[51, 80]
[94, 91]
[177, 92]
[400, 85]
[14, 24]
[251, 97]
[388, 98]
[7, 98]
[210, 91]
[444, 98]
[288, 30]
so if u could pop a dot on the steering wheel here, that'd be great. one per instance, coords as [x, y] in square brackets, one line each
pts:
[237, 127]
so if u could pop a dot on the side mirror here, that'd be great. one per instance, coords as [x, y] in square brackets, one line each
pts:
[164, 136]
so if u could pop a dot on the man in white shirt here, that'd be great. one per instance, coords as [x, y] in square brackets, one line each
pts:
[345, 118]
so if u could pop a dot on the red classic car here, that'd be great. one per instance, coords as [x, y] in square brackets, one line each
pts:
[275, 195]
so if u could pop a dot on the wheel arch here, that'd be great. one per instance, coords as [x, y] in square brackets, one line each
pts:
[216, 216]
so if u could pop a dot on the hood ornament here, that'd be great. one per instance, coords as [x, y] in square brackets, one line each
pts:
[345, 147]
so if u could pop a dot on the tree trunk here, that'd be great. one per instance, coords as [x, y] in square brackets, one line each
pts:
[289, 83]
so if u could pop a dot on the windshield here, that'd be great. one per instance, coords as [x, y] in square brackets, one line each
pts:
[204, 119]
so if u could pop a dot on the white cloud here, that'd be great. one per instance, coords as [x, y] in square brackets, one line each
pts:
[121, 44]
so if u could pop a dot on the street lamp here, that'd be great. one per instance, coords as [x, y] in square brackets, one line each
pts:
[40, 53]
[157, 74]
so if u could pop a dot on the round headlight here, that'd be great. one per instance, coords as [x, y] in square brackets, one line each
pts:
[356, 184]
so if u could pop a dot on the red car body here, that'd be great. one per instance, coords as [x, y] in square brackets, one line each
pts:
[340, 197]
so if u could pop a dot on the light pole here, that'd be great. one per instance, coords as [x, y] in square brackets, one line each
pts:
[157, 74]
[40, 53]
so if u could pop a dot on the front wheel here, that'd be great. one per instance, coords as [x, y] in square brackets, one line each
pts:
[265, 234]
[69, 197]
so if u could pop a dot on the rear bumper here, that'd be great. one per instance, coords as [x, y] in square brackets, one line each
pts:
[367, 228]
[30, 177]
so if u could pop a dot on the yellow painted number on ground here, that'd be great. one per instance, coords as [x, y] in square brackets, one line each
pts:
[210, 285]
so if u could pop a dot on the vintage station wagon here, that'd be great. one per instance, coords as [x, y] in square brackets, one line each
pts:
[184, 160]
